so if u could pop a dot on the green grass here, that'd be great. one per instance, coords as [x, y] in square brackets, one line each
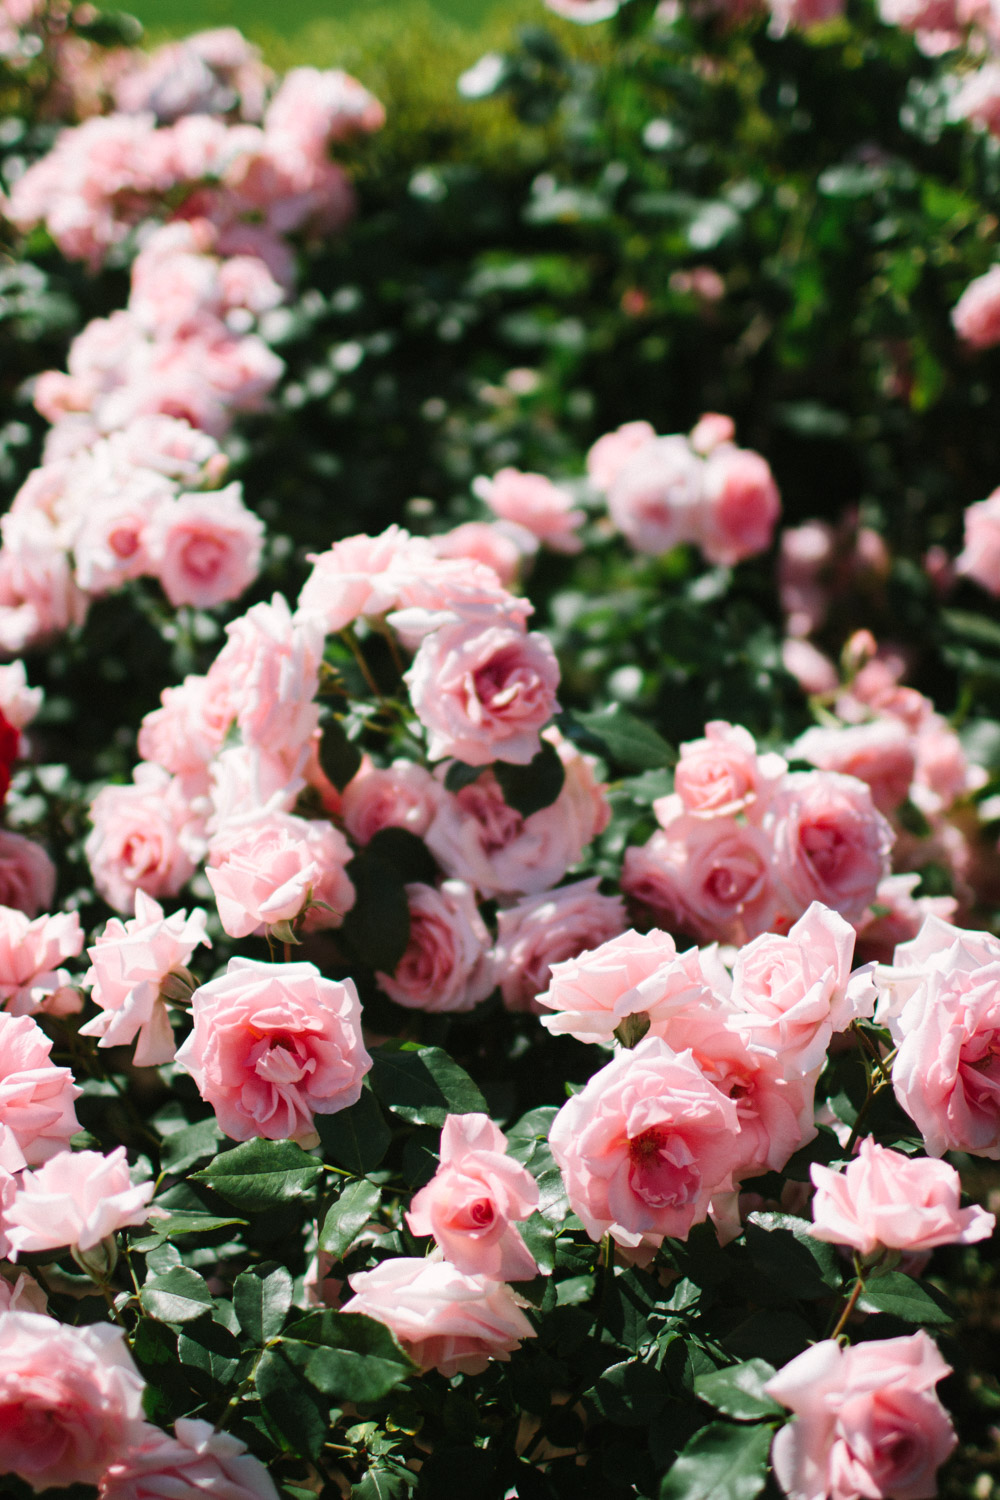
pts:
[272, 19]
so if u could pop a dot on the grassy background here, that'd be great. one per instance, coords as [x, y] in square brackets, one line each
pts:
[274, 23]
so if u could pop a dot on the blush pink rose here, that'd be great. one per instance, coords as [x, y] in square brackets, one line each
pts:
[644, 1146]
[900, 916]
[711, 431]
[881, 754]
[267, 675]
[656, 497]
[611, 453]
[30, 954]
[447, 965]
[275, 869]
[354, 580]
[536, 504]
[205, 548]
[19, 703]
[443, 1319]
[540, 931]
[830, 843]
[129, 963]
[23, 1294]
[883, 1200]
[791, 994]
[474, 1201]
[37, 1114]
[70, 1400]
[484, 694]
[978, 99]
[723, 774]
[710, 877]
[188, 730]
[247, 784]
[403, 795]
[77, 1198]
[741, 505]
[272, 1046]
[27, 874]
[197, 1460]
[146, 837]
[980, 557]
[497, 547]
[814, 672]
[868, 1421]
[312, 108]
[976, 314]
[633, 973]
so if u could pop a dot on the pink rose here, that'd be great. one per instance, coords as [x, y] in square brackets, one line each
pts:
[806, 559]
[644, 1146]
[248, 784]
[198, 1460]
[611, 453]
[444, 1319]
[633, 973]
[497, 547]
[710, 432]
[129, 963]
[205, 548]
[830, 843]
[77, 1198]
[540, 931]
[435, 591]
[900, 917]
[273, 1045]
[723, 774]
[474, 1200]
[70, 1400]
[274, 869]
[447, 964]
[267, 674]
[18, 702]
[976, 315]
[37, 1115]
[311, 109]
[710, 877]
[27, 874]
[980, 557]
[790, 994]
[403, 795]
[189, 729]
[536, 504]
[39, 596]
[814, 672]
[883, 1200]
[484, 694]
[30, 954]
[881, 754]
[656, 497]
[867, 1421]
[23, 1294]
[978, 100]
[145, 837]
[741, 505]
[354, 579]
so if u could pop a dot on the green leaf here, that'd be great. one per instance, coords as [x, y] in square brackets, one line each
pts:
[260, 1174]
[339, 757]
[262, 1298]
[910, 1301]
[739, 1391]
[208, 1346]
[459, 775]
[356, 1138]
[630, 1302]
[378, 924]
[293, 1409]
[409, 855]
[781, 1246]
[527, 789]
[720, 1462]
[176, 1297]
[194, 1143]
[624, 739]
[381, 1484]
[351, 1357]
[422, 1084]
[631, 1393]
[174, 1225]
[347, 1217]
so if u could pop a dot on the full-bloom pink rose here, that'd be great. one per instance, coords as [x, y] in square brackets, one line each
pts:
[723, 773]
[631, 974]
[790, 994]
[881, 754]
[885, 1200]
[37, 1115]
[205, 548]
[611, 453]
[403, 795]
[494, 544]
[645, 1145]
[354, 579]
[447, 964]
[741, 505]
[77, 1198]
[27, 874]
[189, 729]
[266, 872]
[976, 314]
[484, 694]
[197, 1460]
[474, 1201]
[272, 1046]
[268, 675]
[540, 931]
[145, 837]
[129, 962]
[980, 557]
[868, 1422]
[444, 1319]
[534, 502]
[657, 495]
[710, 877]
[30, 954]
[70, 1400]
[830, 842]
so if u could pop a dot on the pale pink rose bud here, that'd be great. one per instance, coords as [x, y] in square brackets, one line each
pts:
[37, 1114]
[27, 874]
[980, 556]
[267, 675]
[540, 931]
[484, 693]
[883, 1200]
[23, 1294]
[791, 994]
[272, 1046]
[630, 974]
[352, 580]
[814, 672]
[444, 1319]
[403, 795]
[205, 548]
[447, 964]
[145, 837]
[830, 843]
[197, 1460]
[474, 1200]
[645, 1145]
[536, 504]
[611, 453]
[881, 754]
[710, 431]
[18, 702]
[723, 774]
[129, 963]
[976, 314]
[497, 546]
[276, 869]
[741, 505]
[656, 497]
[867, 1421]
[30, 955]
[70, 1400]
[710, 877]
[77, 1198]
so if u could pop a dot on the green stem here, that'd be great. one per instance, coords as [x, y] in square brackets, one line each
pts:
[348, 637]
